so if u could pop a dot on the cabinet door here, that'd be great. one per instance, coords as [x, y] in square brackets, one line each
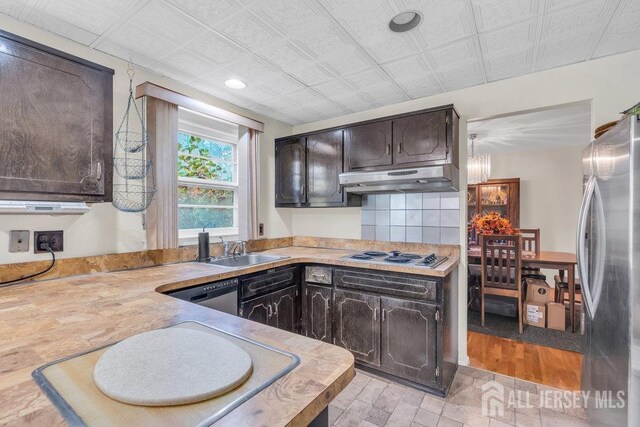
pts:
[317, 312]
[285, 309]
[324, 164]
[368, 145]
[56, 136]
[420, 138]
[409, 344]
[258, 309]
[358, 325]
[290, 172]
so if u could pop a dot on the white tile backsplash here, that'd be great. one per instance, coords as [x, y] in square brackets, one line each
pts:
[368, 232]
[397, 201]
[449, 218]
[382, 233]
[382, 217]
[397, 217]
[414, 201]
[430, 218]
[431, 201]
[397, 234]
[413, 234]
[414, 217]
[450, 201]
[382, 201]
[368, 217]
[430, 234]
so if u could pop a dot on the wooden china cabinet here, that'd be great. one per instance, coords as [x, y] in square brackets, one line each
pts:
[495, 195]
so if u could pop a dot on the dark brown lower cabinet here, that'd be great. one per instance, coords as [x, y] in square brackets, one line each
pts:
[278, 309]
[258, 309]
[408, 339]
[285, 309]
[358, 325]
[317, 313]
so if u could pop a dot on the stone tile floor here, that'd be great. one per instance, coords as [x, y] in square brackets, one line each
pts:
[370, 400]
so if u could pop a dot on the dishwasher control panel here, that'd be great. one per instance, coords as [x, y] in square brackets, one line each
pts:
[218, 285]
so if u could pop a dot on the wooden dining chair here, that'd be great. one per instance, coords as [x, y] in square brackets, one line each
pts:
[531, 240]
[531, 243]
[501, 272]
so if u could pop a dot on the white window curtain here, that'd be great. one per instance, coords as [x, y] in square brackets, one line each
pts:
[162, 214]
[248, 204]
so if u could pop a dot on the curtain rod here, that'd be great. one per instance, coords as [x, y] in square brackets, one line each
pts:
[159, 92]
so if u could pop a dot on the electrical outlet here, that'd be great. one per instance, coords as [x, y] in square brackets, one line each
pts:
[19, 241]
[261, 229]
[52, 238]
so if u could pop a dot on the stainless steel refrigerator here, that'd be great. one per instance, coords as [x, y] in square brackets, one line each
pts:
[608, 250]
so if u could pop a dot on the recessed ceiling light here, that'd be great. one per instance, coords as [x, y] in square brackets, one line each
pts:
[235, 84]
[404, 21]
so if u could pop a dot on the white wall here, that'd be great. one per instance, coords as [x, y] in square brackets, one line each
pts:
[104, 229]
[550, 192]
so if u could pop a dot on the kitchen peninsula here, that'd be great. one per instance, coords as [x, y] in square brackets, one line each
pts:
[48, 320]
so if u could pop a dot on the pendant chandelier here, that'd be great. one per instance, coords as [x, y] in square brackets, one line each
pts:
[478, 165]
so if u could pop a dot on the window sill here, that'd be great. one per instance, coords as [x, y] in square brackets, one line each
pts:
[190, 237]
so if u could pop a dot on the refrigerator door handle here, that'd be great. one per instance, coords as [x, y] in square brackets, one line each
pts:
[580, 244]
[599, 251]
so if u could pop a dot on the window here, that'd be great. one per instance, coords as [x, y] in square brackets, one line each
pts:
[208, 172]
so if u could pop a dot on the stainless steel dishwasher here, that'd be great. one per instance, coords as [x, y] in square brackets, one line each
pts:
[222, 296]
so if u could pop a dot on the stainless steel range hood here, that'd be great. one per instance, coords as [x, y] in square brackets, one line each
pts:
[429, 179]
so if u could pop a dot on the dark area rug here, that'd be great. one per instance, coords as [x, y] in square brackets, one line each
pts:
[507, 327]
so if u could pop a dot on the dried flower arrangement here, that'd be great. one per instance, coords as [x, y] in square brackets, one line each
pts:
[491, 223]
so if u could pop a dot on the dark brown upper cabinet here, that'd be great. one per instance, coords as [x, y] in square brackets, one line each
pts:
[368, 145]
[421, 138]
[324, 164]
[56, 124]
[307, 170]
[308, 165]
[291, 165]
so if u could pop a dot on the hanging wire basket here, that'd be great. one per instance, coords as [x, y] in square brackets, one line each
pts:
[131, 168]
[131, 137]
[133, 197]
[131, 134]
[131, 141]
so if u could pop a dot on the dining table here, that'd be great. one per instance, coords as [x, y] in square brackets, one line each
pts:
[561, 261]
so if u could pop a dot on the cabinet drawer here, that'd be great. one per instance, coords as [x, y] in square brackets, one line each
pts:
[314, 274]
[269, 281]
[395, 284]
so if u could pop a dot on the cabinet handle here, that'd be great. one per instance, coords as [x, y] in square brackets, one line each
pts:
[270, 311]
[384, 311]
[318, 276]
[99, 171]
[399, 147]
[375, 314]
[388, 149]
[302, 188]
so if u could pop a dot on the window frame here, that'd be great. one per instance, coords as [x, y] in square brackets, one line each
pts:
[189, 236]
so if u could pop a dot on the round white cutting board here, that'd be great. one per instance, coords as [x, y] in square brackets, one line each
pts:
[172, 366]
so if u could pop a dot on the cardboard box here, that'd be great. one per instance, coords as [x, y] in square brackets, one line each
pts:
[538, 291]
[556, 316]
[534, 313]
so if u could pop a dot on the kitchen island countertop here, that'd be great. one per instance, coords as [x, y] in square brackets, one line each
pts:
[48, 320]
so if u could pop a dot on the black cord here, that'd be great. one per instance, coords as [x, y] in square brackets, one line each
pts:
[53, 262]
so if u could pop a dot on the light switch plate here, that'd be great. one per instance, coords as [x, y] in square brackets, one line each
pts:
[19, 241]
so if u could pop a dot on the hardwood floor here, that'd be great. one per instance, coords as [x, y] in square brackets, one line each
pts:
[543, 365]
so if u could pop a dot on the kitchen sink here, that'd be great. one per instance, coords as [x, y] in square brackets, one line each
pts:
[246, 260]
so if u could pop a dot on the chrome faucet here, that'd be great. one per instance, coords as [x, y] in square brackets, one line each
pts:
[225, 247]
[238, 247]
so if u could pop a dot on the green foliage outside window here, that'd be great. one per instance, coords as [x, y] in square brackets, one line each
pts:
[207, 160]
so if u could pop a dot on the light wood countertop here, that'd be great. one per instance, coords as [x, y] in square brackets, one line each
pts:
[48, 320]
